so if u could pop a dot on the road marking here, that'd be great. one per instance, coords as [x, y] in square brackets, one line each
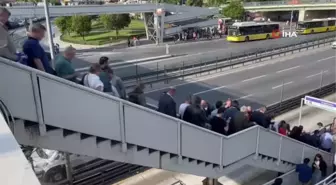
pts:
[310, 76]
[287, 69]
[244, 97]
[287, 83]
[323, 59]
[254, 78]
[209, 90]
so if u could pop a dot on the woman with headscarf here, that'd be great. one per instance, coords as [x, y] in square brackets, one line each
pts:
[319, 169]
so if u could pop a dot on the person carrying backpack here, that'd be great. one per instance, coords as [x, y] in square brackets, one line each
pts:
[137, 96]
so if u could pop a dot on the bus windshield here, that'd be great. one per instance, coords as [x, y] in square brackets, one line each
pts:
[233, 31]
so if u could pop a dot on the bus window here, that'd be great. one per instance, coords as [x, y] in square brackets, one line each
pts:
[332, 23]
[244, 30]
[302, 26]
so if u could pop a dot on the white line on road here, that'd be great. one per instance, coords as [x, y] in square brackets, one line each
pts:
[287, 69]
[287, 83]
[323, 59]
[254, 78]
[213, 89]
[244, 97]
[317, 74]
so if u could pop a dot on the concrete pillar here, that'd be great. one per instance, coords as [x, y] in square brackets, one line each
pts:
[145, 18]
[302, 14]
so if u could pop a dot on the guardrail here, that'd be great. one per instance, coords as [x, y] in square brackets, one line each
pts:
[288, 2]
[218, 64]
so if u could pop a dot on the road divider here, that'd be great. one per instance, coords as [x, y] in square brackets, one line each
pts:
[183, 69]
[129, 62]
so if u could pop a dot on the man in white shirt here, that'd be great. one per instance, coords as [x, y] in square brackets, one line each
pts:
[92, 79]
[184, 106]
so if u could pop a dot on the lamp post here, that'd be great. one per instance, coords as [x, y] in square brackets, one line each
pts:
[50, 38]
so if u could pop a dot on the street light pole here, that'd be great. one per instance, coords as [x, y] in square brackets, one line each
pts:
[50, 38]
[291, 20]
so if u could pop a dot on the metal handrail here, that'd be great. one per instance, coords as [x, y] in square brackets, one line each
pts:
[219, 63]
[329, 180]
[288, 2]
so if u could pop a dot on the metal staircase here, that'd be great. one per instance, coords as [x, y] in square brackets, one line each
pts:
[57, 114]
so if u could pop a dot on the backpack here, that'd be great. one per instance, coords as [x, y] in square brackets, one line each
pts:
[82, 80]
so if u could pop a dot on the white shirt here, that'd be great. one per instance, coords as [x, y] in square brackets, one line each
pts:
[182, 109]
[93, 81]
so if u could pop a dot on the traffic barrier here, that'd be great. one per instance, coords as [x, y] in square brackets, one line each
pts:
[218, 64]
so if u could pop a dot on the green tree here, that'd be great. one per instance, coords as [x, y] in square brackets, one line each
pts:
[64, 24]
[170, 1]
[215, 3]
[81, 24]
[235, 10]
[115, 22]
[198, 3]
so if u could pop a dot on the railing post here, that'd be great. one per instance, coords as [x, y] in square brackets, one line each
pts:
[179, 142]
[157, 70]
[37, 96]
[122, 127]
[300, 113]
[303, 150]
[221, 153]
[257, 145]
[136, 72]
[280, 148]
[321, 81]
[183, 70]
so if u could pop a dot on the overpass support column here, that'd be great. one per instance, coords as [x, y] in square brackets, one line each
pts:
[145, 18]
[150, 26]
[302, 14]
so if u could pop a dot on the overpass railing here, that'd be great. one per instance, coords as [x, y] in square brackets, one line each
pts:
[288, 2]
[330, 180]
[52, 101]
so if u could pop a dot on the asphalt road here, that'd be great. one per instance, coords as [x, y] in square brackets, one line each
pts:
[202, 52]
[195, 52]
[262, 85]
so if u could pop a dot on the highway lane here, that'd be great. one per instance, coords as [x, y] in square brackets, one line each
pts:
[257, 86]
[206, 51]
[197, 52]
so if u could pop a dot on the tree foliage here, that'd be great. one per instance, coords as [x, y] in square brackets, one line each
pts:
[115, 22]
[64, 24]
[234, 10]
[215, 3]
[81, 24]
[170, 1]
[198, 3]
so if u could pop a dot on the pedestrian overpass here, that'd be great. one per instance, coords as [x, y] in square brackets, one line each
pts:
[154, 22]
[307, 9]
[54, 113]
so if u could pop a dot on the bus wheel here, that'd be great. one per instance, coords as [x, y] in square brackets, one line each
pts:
[247, 39]
[312, 31]
[327, 30]
[267, 36]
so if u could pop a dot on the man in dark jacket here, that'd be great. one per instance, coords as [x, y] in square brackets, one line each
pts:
[260, 118]
[240, 120]
[229, 115]
[194, 113]
[167, 104]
